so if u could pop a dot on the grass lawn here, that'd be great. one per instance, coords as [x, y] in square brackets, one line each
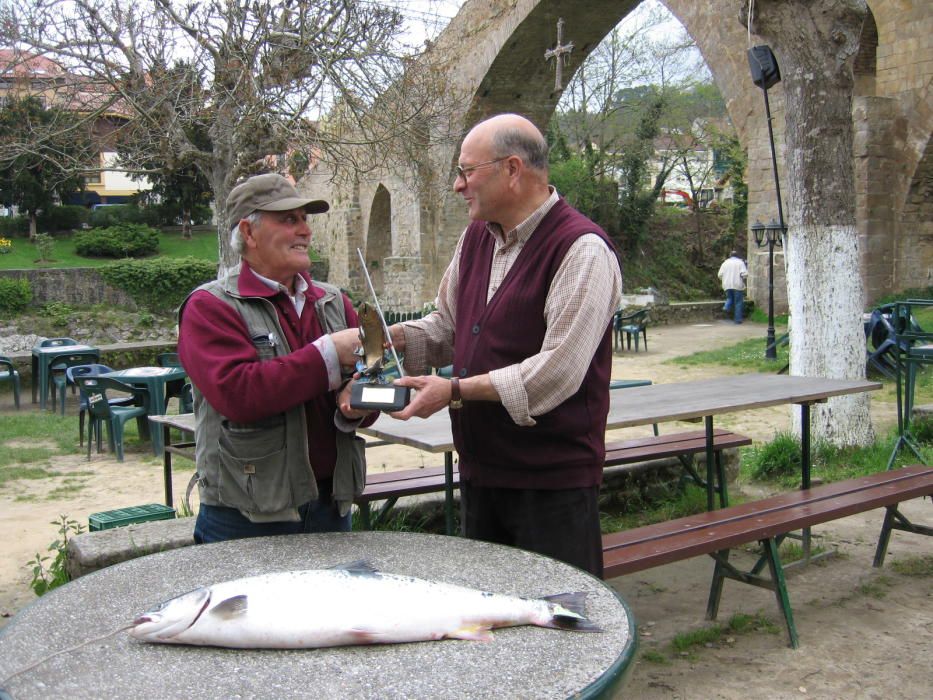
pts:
[203, 245]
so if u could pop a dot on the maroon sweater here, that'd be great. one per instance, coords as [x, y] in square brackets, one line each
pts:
[566, 447]
[216, 350]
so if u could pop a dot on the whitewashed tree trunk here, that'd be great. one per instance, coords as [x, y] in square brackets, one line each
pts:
[824, 292]
[815, 42]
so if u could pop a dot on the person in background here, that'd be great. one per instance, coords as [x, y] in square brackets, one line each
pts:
[276, 451]
[524, 314]
[733, 272]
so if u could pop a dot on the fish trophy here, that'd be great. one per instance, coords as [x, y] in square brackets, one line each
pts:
[378, 364]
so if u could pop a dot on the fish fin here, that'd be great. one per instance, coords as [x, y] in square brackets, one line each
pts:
[474, 633]
[367, 636]
[568, 612]
[360, 566]
[237, 605]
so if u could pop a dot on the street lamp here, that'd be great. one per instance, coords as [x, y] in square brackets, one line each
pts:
[770, 234]
[767, 74]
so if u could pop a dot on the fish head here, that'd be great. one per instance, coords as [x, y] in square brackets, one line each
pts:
[171, 617]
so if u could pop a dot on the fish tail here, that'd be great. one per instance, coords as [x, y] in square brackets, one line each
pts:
[568, 612]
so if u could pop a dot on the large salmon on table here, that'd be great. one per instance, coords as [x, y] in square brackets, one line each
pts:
[353, 604]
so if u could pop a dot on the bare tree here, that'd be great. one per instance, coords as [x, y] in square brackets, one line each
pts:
[815, 43]
[327, 80]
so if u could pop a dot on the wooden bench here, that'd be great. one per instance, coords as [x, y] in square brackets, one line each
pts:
[391, 486]
[767, 521]
[682, 446]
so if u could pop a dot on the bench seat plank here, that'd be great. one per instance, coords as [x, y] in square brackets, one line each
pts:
[390, 486]
[673, 445]
[641, 548]
[748, 520]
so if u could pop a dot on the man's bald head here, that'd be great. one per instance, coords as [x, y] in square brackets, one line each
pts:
[512, 134]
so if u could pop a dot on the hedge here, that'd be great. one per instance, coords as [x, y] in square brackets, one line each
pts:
[161, 284]
[120, 241]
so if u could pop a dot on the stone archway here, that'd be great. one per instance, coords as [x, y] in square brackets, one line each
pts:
[379, 238]
[492, 55]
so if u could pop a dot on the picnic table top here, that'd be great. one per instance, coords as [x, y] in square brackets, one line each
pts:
[656, 403]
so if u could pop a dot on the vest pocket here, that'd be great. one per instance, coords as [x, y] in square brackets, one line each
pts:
[253, 473]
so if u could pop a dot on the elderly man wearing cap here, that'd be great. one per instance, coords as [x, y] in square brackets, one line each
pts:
[276, 451]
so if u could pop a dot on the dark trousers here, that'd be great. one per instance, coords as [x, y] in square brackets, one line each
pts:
[218, 523]
[563, 524]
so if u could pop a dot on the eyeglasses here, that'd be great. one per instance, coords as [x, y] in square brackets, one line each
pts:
[463, 172]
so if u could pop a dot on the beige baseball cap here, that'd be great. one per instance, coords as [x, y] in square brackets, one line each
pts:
[269, 192]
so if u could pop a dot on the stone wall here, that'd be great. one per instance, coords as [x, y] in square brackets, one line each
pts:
[84, 286]
[75, 286]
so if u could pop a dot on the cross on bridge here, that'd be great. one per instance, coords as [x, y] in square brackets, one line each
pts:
[560, 54]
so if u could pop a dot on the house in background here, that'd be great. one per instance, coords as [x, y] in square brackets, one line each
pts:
[694, 169]
[24, 74]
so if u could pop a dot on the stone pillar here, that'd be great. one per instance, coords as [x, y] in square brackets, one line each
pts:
[877, 131]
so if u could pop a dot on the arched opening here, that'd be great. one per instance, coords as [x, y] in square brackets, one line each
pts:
[379, 237]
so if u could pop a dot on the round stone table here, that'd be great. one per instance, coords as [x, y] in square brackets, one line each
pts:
[521, 662]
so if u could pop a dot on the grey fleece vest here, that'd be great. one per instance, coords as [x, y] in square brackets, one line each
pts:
[263, 468]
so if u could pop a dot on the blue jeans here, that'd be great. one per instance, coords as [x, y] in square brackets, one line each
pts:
[735, 299]
[218, 523]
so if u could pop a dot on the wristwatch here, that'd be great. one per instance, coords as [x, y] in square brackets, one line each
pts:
[456, 400]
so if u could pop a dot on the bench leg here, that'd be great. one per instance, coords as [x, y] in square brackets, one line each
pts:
[895, 520]
[885, 537]
[719, 577]
[365, 522]
[776, 583]
[780, 588]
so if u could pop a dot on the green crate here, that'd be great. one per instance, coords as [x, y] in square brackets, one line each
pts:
[127, 516]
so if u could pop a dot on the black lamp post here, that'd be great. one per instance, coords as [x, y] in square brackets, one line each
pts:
[766, 74]
[771, 235]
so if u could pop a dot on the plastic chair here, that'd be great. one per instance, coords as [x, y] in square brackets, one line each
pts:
[54, 342]
[100, 408]
[9, 373]
[92, 370]
[634, 324]
[58, 374]
[176, 388]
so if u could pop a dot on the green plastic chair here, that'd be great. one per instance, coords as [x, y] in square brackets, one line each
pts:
[632, 325]
[58, 374]
[175, 389]
[9, 373]
[55, 342]
[115, 417]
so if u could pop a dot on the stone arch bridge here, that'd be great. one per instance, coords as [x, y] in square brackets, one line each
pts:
[407, 222]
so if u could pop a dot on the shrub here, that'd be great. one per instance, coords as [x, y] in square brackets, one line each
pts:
[15, 294]
[103, 217]
[121, 240]
[45, 244]
[14, 226]
[160, 284]
[65, 218]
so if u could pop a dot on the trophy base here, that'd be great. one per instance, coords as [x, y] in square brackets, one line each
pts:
[379, 397]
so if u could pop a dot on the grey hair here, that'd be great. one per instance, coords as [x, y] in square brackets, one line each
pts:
[236, 240]
[533, 150]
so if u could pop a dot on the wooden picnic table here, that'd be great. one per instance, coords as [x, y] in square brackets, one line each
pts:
[658, 403]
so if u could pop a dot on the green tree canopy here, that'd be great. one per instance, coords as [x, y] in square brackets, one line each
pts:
[43, 153]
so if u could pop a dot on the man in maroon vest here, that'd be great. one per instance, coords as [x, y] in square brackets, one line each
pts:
[524, 314]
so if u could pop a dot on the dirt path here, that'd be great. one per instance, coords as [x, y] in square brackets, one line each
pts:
[852, 619]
